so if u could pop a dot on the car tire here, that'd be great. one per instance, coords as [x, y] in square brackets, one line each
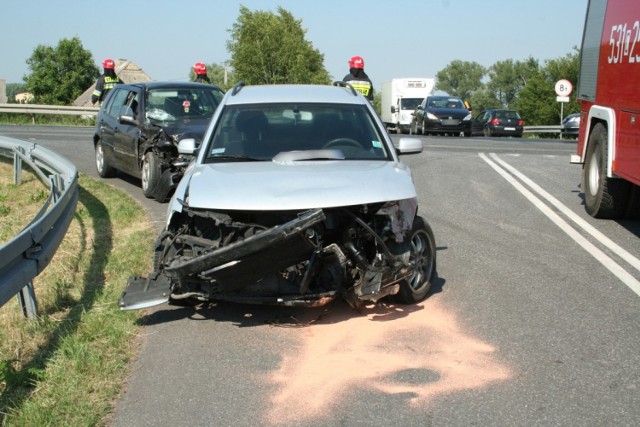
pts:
[150, 172]
[467, 134]
[603, 197]
[102, 165]
[487, 131]
[423, 258]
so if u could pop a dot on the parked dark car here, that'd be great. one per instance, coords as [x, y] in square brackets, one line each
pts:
[139, 126]
[497, 122]
[570, 126]
[441, 115]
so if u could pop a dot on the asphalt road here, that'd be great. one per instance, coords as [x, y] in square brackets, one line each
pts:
[533, 320]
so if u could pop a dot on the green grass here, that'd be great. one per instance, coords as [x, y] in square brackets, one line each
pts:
[67, 366]
[46, 119]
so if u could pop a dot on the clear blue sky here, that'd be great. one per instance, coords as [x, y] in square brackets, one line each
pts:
[411, 38]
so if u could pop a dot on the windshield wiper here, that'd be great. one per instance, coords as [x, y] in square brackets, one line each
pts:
[235, 158]
[295, 156]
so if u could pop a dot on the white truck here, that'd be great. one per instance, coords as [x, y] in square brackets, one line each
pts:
[399, 98]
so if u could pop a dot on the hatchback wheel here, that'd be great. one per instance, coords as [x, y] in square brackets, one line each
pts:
[150, 174]
[487, 131]
[102, 165]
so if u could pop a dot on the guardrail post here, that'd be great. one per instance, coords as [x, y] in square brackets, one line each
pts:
[27, 298]
[17, 165]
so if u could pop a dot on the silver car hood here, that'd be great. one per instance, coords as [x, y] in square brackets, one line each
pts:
[296, 185]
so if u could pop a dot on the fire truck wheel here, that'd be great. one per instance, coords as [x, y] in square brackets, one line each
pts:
[604, 197]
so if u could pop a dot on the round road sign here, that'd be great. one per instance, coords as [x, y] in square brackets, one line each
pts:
[563, 87]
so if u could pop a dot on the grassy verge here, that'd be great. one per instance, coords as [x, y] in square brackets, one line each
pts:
[46, 119]
[68, 366]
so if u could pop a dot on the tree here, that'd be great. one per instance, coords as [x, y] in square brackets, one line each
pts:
[537, 100]
[507, 78]
[59, 75]
[483, 99]
[271, 49]
[461, 78]
[567, 67]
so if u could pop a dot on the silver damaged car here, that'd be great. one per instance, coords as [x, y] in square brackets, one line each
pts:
[295, 197]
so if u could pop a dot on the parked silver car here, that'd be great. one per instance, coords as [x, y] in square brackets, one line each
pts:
[296, 197]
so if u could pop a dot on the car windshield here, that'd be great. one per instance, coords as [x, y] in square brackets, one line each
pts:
[294, 132]
[445, 102]
[169, 105]
[410, 103]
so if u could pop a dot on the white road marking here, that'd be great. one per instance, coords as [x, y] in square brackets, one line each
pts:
[603, 258]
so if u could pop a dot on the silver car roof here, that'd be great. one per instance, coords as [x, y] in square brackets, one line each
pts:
[294, 93]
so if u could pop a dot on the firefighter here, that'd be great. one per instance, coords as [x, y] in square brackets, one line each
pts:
[358, 78]
[201, 73]
[105, 82]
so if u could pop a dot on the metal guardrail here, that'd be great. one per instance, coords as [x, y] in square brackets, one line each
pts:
[30, 251]
[542, 129]
[48, 109]
[93, 111]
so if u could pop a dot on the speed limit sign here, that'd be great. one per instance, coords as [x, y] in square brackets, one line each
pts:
[563, 87]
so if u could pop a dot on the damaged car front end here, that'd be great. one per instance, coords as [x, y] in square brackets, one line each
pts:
[302, 227]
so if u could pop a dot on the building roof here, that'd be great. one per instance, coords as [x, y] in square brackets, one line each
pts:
[128, 71]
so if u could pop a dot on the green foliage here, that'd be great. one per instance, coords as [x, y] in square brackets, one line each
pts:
[59, 75]
[271, 49]
[483, 99]
[46, 119]
[524, 86]
[461, 78]
[507, 78]
[537, 102]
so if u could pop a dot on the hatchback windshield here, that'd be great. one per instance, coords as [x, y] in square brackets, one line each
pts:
[179, 104]
[306, 131]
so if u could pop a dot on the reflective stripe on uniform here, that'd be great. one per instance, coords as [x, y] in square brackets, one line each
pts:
[110, 82]
[361, 86]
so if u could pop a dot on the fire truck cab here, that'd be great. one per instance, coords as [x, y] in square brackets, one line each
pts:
[609, 94]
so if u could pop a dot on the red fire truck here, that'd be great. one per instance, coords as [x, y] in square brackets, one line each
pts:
[609, 94]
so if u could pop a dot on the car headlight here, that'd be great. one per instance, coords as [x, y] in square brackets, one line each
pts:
[467, 117]
[431, 116]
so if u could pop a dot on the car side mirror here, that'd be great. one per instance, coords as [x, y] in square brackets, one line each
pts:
[188, 146]
[393, 109]
[409, 146]
[126, 119]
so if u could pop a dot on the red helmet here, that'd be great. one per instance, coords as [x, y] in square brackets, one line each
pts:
[108, 63]
[356, 62]
[200, 68]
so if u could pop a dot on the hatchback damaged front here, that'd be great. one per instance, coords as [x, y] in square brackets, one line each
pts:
[296, 197]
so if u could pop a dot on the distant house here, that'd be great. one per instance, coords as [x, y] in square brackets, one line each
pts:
[23, 97]
[128, 72]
